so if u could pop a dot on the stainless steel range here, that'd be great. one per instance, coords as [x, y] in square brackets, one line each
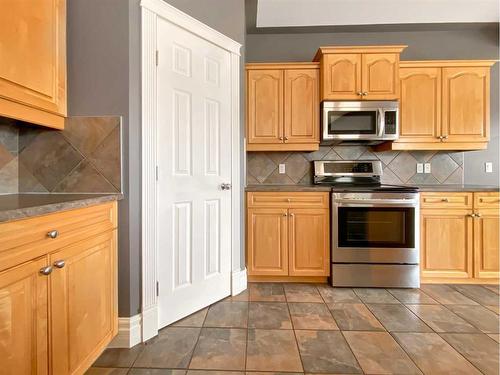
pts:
[375, 227]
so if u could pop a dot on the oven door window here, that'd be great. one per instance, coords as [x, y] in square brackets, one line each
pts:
[356, 122]
[385, 227]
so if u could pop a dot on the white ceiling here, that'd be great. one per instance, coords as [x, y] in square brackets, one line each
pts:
[282, 13]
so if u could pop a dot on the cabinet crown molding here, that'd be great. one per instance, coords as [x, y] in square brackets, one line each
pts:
[446, 63]
[282, 65]
[358, 49]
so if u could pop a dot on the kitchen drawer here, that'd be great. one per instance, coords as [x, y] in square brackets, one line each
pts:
[288, 199]
[27, 239]
[487, 200]
[446, 200]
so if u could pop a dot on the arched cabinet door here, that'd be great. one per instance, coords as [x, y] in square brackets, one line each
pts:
[466, 92]
[420, 105]
[265, 106]
[341, 76]
[301, 118]
[380, 72]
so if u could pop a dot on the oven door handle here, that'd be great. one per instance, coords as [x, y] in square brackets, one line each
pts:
[388, 202]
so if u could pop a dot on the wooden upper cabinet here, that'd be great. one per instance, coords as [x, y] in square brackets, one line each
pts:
[309, 242]
[380, 76]
[265, 106]
[24, 320]
[283, 107]
[466, 101]
[341, 74]
[33, 61]
[359, 73]
[267, 241]
[83, 308]
[420, 105]
[301, 106]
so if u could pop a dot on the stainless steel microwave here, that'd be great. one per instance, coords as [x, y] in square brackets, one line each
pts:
[363, 122]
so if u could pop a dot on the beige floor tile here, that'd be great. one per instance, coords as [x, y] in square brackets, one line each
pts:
[479, 349]
[193, 320]
[118, 357]
[433, 355]
[378, 353]
[374, 295]
[412, 296]
[440, 319]
[106, 371]
[302, 293]
[155, 371]
[272, 350]
[172, 348]
[227, 314]
[495, 336]
[397, 318]
[478, 293]
[354, 317]
[446, 295]
[326, 352]
[311, 316]
[270, 292]
[269, 315]
[479, 316]
[220, 349]
[494, 308]
[338, 295]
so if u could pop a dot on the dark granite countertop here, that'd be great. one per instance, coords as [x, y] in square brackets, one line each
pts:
[458, 188]
[286, 188]
[430, 188]
[19, 206]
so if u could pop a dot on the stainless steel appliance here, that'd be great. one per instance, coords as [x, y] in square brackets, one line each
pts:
[360, 122]
[375, 227]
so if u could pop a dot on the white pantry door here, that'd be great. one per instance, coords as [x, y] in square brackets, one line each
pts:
[194, 159]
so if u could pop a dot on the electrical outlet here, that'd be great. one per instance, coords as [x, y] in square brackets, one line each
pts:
[488, 167]
[420, 168]
[427, 168]
[281, 169]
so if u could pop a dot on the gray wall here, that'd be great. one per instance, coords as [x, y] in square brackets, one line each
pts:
[425, 42]
[104, 79]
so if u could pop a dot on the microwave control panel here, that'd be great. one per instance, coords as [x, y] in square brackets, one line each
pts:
[390, 122]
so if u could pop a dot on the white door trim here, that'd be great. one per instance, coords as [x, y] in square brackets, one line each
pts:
[150, 11]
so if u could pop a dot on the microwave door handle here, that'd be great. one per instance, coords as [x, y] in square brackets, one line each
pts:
[381, 123]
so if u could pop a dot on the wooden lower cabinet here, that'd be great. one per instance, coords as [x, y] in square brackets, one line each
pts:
[459, 239]
[486, 244]
[58, 312]
[309, 242]
[446, 243]
[83, 309]
[24, 319]
[288, 234]
[267, 242]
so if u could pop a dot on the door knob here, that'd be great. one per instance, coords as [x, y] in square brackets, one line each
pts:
[53, 234]
[225, 186]
[59, 263]
[46, 270]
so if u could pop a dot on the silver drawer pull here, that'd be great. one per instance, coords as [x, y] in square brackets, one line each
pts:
[46, 270]
[53, 234]
[59, 263]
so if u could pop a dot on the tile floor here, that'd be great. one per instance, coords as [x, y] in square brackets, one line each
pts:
[298, 328]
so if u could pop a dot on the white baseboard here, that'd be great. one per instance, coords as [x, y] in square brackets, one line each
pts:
[238, 281]
[129, 332]
[149, 322]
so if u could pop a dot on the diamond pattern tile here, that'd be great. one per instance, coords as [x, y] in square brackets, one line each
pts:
[442, 166]
[404, 166]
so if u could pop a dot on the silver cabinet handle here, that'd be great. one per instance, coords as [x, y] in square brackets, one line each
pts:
[445, 200]
[478, 215]
[59, 263]
[281, 138]
[286, 138]
[445, 137]
[472, 215]
[285, 214]
[53, 234]
[364, 93]
[46, 270]
[360, 93]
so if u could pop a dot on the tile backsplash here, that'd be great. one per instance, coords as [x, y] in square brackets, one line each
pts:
[399, 167]
[85, 157]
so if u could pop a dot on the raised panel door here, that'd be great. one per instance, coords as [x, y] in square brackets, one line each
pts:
[466, 93]
[265, 106]
[420, 104]
[380, 72]
[24, 320]
[267, 241]
[341, 76]
[301, 117]
[83, 302]
[309, 242]
[33, 63]
[446, 243]
[486, 244]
